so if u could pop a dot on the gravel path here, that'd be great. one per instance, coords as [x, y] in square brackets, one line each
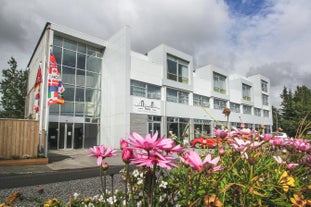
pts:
[62, 191]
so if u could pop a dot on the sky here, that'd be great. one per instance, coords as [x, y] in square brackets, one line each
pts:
[246, 37]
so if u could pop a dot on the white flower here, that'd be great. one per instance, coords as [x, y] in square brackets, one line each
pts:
[90, 205]
[163, 184]
[135, 173]
[162, 197]
[139, 204]
[111, 200]
[140, 181]
[75, 195]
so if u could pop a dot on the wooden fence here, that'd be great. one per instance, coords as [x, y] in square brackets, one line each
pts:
[18, 138]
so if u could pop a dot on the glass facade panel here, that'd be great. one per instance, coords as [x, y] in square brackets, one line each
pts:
[67, 109]
[54, 109]
[79, 95]
[91, 133]
[81, 61]
[68, 93]
[57, 51]
[68, 75]
[80, 78]
[69, 58]
[79, 109]
[70, 45]
[93, 64]
[92, 80]
[57, 41]
[81, 48]
[81, 100]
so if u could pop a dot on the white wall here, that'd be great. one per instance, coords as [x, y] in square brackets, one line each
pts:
[115, 116]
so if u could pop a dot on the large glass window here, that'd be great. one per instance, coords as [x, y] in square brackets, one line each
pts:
[199, 100]
[257, 112]
[178, 127]
[247, 109]
[219, 104]
[246, 92]
[264, 86]
[219, 83]
[265, 99]
[202, 128]
[265, 113]
[80, 67]
[154, 124]
[145, 90]
[177, 96]
[234, 107]
[177, 69]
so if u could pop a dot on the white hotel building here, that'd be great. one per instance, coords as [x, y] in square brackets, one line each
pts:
[111, 91]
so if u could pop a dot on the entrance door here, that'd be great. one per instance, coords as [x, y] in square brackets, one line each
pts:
[65, 136]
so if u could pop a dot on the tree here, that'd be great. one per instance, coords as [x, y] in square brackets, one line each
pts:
[294, 107]
[13, 87]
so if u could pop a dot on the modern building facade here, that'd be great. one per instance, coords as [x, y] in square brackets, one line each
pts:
[111, 91]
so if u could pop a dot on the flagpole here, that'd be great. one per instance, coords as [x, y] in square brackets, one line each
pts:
[46, 116]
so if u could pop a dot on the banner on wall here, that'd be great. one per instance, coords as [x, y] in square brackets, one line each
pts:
[146, 106]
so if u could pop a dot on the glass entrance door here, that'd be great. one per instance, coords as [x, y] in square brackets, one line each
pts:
[65, 136]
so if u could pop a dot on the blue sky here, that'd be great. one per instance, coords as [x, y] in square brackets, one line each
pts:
[269, 37]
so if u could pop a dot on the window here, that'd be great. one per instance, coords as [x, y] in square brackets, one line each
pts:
[177, 96]
[246, 92]
[201, 127]
[264, 86]
[199, 100]
[265, 100]
[80, 67]
[219, 83]
[235, 107]
[257, 112]
[247, 109]
[177, 69]
[154, 124]
[145, 90]
[265, 113]
[178, 127]
[219, 104]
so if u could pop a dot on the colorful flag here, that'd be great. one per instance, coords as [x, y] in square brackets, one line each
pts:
[37, 90]
[55, 85]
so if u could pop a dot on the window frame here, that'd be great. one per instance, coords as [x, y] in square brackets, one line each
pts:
[181, 71]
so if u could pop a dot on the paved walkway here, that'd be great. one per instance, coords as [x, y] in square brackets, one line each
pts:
[62, 160]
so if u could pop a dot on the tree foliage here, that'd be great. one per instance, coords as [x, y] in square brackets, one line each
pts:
[13, 87]
[294, 108]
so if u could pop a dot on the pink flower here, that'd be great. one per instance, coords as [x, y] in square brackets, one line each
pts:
[192, 159]
[127, 155]
[221, 133]
[101, 152]
[123, 143]
[148, 143]
[302, 144]
[289, 166]
[152, 159]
